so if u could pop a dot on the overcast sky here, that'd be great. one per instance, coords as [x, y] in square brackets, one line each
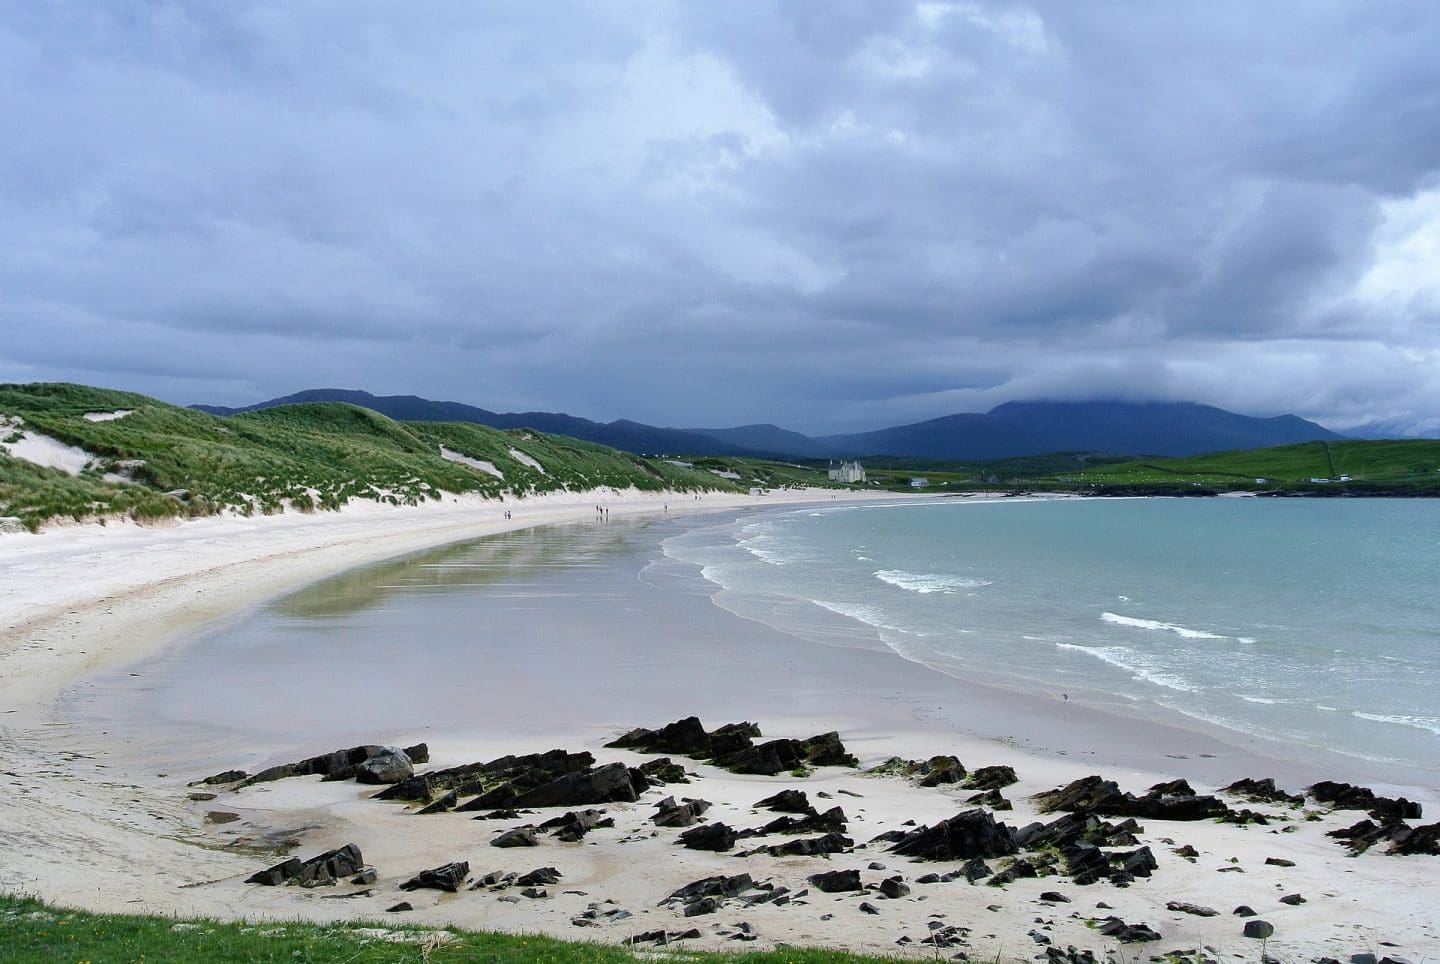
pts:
[834, 216]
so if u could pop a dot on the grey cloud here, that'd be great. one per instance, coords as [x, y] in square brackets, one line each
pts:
[827, 216]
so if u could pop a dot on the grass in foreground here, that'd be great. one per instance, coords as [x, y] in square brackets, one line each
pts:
[34, 931]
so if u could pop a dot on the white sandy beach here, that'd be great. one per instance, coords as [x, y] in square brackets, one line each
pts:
[83, 824]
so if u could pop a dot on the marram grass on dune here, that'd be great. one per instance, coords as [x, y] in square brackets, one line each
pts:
[161, 461]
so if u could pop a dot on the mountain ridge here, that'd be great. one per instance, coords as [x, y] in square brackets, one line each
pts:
[1011, 429]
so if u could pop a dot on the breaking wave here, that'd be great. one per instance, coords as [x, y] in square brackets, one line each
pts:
[927, 582]
[1155, 624]
[1140, 667]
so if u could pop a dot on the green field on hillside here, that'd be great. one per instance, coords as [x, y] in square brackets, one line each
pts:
[1358, 466]
[160, 460]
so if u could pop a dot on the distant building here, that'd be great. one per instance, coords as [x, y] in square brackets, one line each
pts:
[918, 483]
[847, 472]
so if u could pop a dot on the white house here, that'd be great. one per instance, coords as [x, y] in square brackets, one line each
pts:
[919, 483]
[847, 472]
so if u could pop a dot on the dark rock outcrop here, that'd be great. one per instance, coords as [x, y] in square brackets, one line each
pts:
[448, 877]
[836, 881]
[1261, 791]
[940, 771]
[992, 778]
[1345, 796]
[831, 821]
[1402, 839]
[894, 888]
[971, 833]
[720, 886]
[662, 771]
[786, 801]
[516, 837]
[732, 747]
[1197, 910]
[1416, 840]
[390, 765]
[1073, 828]
[1258, 929]
[335, 765]
[441, 804]
[672, 814]
[572, 826]
[612, 783]
[494, 784]
[990, 798]
[321, 869]
[540, 877]
[1126, 933]
[826, 750]
[685, 737]
[830, 843]
[1096, 795]
[710, 836]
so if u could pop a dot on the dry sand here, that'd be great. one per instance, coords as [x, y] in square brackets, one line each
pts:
[81, 825]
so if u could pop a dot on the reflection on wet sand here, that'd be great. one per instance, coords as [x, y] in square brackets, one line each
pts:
[463, 565]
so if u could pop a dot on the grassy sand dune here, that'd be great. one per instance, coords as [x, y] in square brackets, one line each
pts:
[159, 461]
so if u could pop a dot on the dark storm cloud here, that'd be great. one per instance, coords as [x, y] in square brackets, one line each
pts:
[834, 216]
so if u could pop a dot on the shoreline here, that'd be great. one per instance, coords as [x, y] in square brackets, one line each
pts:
[195, 572]
[162, 829]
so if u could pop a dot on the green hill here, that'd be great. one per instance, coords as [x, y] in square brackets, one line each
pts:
[1394, 467]
[162, 461]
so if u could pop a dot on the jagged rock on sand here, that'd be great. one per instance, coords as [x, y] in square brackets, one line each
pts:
[830, 843]
[542, 877]
[335, 765]
[1345, 796]
[322, 869]
[516, 837]
[732, 747]
[1263, 790]
[836, 881]
[449, 877]
[390, 765]
[1126, 933]
[672, 814]
[971, 833]
[572, 826]
[786, 801]
[710, 836]
[1094, 794]
[992, 778]
[504, 778]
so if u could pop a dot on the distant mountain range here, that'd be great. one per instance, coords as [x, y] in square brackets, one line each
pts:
[1007, 431]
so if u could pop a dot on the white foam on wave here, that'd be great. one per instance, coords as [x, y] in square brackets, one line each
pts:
[1260, 699]
[1141, 667]
[1247, 640]
[1155, 624]
[869, 615]
[1429, 723]
[928, 582]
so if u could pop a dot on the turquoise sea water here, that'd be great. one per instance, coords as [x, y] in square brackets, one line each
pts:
[1314, 623]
